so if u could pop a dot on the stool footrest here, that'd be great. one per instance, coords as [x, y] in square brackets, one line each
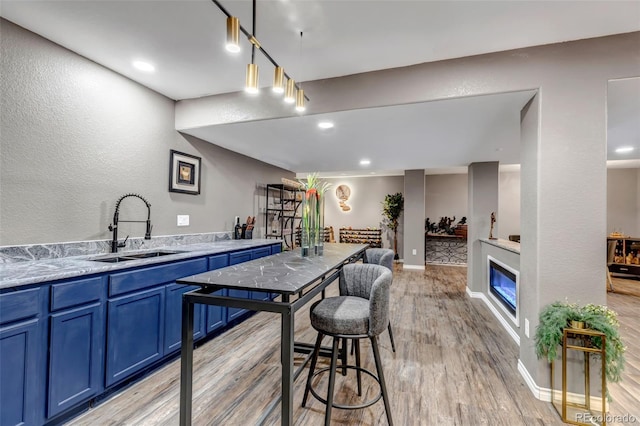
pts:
[348, 407]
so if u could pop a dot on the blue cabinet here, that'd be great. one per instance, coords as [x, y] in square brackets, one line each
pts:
[257, 254]
[135, 333]
[22, 351]
[173, 317]
[217, 315]
[234, 259]
[102, 329]
[76, 343]
[276, 248]
[76, 357]
[136, 321]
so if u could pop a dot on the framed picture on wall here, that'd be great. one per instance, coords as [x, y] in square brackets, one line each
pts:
[184, 173]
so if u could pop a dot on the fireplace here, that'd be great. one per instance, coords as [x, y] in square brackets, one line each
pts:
[503, 287]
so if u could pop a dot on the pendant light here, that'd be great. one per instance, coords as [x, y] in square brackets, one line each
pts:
[282, 82]
[278, 80]
[251, 83]
[289, 93]
[300, 100]
[233, 34]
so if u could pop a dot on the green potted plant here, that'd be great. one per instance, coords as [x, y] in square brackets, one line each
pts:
[557, 316]
[392, 206]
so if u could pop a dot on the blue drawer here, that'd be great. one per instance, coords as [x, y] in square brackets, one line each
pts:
[240, 256]
[218, 261]
[17, 305]
[260, 252]
[67, 294]
[126, 282]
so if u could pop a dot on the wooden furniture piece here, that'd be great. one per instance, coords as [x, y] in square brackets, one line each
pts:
[371, 236]
[445, 249]
[296, 279]
[281, 213]
[626, 256]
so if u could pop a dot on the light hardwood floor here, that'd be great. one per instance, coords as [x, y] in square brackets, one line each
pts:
[454, 365]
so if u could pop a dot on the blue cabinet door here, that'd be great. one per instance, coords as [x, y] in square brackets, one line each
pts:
[234, 259]
[276, 248]
[256, 254]
[173, 317]
[217, 315]
[76, 350]
[135, 333]
[19, 359]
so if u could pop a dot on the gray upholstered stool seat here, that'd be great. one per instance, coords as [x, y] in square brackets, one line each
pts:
[360, 312]
[341, 315]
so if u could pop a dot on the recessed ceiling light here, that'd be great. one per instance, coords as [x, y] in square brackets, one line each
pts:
[365, 162]
[144, 66]
[325, 124]
[624, 149]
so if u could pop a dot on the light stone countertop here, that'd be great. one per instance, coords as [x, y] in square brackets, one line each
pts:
[40, 271]
[503, 244]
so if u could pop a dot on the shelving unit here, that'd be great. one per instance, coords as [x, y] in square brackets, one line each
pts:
[282, 213]
[370, 236]
[626, 256]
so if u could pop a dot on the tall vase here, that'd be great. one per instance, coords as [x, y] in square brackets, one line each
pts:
[312, 221]
[307, 242]
[320, 222]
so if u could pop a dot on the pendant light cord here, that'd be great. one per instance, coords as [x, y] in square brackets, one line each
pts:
[253, 33]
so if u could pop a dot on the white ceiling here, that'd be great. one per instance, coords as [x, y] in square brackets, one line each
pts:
[184, 40]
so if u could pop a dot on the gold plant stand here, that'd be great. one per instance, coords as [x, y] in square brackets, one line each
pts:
[576, 408]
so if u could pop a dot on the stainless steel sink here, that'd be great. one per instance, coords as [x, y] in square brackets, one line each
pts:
[151, 254]
[136, 256]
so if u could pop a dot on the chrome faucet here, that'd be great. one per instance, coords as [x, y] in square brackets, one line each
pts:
[114, 227]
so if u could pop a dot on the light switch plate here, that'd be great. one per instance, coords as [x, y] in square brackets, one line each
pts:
[183, 220]
[415, 252]
[526, 327]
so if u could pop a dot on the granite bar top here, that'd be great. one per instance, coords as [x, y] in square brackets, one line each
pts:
[503, 244]
[39, 271]
[285, 273]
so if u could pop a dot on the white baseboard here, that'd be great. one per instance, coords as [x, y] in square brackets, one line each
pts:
[479, 295]
[543, 394]
[413, 267]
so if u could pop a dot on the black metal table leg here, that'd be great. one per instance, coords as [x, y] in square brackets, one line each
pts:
[287, 366]
[186, 362]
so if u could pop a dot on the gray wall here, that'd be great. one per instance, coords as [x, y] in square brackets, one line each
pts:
[414, 218]
[530, 285]
[367, 195]
[483, 200]
[509, 205]
[77, 136]
[623, 201]
[445, 195]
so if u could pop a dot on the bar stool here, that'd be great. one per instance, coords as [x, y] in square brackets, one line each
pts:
[362, 311]
[384, 257]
